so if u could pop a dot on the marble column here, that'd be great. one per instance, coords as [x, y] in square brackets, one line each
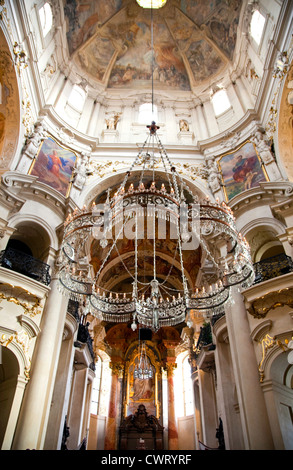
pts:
[209, 418]
[61, 392]
[197, 413]
[226, 394]
[203, 132]
[77, 407]
[172, 425]
[111, 429]
[32, 423]
[253, 412]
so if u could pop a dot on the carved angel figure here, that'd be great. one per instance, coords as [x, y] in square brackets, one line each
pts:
[263, 147]
[81, 171]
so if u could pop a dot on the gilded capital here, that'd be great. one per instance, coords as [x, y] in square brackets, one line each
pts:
[117, 368]
[170, 367]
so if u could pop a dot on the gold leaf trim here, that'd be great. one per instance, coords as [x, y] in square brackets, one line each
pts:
[261, 306]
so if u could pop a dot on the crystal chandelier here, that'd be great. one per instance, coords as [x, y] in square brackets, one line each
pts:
[142, 369]
[136, 212]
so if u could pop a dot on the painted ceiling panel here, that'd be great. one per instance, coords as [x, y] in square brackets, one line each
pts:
[199, 10]
[203, 59]
[134, 66]
[111, 41]
[83, 18]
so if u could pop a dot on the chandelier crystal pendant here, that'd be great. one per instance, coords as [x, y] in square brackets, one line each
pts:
[142, 368]
[137, 210]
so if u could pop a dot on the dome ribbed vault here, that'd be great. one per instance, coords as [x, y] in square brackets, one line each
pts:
[194, 42]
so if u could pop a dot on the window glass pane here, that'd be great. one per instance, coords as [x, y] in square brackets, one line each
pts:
[257, 26]
[188, 392]
[183, 387]
[95, 398]
[46, 18]
[220, 102]
[146, 114]
[94, 408]
[95, 395]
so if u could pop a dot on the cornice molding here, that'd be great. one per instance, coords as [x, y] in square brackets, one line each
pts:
[14, 184]
[272, 192]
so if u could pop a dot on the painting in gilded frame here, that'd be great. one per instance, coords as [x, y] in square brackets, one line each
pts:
[54, 165]
[241, 170]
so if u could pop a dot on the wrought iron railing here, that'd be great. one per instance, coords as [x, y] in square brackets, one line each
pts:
[272, 267]
[25, 264]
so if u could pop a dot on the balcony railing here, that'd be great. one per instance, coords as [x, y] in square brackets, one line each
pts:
[25, 264]
[272, 267]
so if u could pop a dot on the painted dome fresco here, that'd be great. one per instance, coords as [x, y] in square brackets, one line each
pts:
[110, 41]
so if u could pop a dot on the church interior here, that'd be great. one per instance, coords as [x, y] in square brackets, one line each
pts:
[146, 225]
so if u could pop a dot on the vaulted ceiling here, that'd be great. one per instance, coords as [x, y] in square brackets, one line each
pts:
[110, 41]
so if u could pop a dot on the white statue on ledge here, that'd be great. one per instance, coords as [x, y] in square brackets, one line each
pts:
[263, 147]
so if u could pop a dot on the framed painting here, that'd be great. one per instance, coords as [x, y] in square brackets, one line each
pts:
[241, 170]
[54, 165]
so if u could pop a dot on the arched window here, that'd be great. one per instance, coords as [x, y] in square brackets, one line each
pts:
[184, 402]
[256, 26]
[96, 388]
[46, 18]
[147, 113]
[188, 392]
[221, 102]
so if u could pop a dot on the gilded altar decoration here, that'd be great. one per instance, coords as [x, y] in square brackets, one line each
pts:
[29, 302]
[267, 342]
[261, 306]
[281, 70]
[190, 171]
[19, 57]
[28, 119]
[23, 340]
[241, 170]
[4, 340]
[54, 165]
[117, 369]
